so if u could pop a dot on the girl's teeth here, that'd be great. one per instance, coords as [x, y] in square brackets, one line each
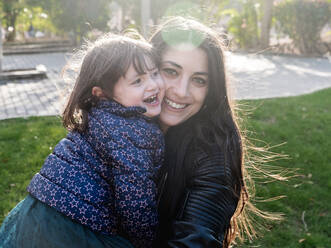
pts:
[175, 105]
[151, 99]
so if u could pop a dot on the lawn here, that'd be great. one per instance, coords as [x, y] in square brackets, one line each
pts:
[302, 123]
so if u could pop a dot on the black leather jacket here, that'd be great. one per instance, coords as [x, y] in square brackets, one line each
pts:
[207, 204]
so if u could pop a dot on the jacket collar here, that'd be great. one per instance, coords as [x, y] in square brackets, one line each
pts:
[114, 107]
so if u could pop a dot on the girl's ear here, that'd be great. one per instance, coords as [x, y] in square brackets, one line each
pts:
[98, 92]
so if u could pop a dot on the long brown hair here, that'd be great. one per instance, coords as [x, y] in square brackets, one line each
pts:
[219, 116]
[102, 63]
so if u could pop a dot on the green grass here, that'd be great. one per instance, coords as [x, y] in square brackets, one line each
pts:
[24, 145]
[303, 122]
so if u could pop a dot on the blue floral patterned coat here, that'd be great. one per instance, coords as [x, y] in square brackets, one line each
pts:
[104, 178]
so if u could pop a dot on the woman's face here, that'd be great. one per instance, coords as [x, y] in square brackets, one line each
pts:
[185, 74]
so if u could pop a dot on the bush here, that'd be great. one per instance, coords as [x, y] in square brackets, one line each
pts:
[302, 21]
[243, 25]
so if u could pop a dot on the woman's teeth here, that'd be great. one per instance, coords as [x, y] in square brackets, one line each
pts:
[175, 105]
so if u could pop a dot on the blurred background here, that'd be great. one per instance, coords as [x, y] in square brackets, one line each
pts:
[279, 62]
[280, 26]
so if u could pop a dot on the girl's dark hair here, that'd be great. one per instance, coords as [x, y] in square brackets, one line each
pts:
[102, 63]
[216, 122]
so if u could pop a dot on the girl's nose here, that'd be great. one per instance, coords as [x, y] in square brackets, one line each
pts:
[152, 84]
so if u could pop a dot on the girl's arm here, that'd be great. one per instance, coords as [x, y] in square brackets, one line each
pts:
[135, 194]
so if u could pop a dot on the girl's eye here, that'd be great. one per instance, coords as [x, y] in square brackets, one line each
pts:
[137, 81]
[169, 72]
[200, 81]
[155, 74]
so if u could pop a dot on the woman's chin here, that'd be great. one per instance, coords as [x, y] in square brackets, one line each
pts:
[170, 121]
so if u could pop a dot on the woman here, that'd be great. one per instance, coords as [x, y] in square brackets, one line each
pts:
[202, 180]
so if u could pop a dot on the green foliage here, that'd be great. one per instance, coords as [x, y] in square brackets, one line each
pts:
[184, 8]
[161, 8]
[206, 11]
[243, 24]
[303, 21]
[76, 17]
[36, 17]
[202, 10]
[10, 10]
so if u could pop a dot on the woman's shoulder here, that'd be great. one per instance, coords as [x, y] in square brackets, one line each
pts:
[209, 161]
[203, 150]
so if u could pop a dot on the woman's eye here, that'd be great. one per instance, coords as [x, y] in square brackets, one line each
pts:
[169, 72]
[200, 81]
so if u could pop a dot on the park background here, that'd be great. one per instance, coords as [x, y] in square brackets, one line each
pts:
[296, 28]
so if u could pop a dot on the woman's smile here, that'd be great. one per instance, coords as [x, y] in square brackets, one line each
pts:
[186, 84]
[173, 104]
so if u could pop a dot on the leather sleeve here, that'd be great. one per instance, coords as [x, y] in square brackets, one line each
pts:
[208, 206]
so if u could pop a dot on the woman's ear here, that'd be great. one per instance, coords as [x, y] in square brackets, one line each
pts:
[98, 92]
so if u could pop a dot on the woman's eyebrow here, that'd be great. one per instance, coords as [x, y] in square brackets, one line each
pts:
[178, 66]
[172, 63]
[201, 73]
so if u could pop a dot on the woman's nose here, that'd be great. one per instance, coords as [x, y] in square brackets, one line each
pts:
[181, 88]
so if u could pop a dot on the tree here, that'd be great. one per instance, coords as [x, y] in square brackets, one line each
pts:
[76, 17]
[244, 24]
[302, 21]
[161, 8]
[11, 9]
[132, 9]
[266, 23]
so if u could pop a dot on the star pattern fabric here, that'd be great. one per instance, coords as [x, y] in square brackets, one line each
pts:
[104, 178]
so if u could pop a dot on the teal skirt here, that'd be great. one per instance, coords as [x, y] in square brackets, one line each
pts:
[34, 224]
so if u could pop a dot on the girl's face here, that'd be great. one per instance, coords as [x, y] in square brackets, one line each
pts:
[145, 90]
[185, 74]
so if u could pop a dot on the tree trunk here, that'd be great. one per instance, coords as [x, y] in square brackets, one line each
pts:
[0, 48]
[11, 22]
[145, 16]
[266, 23]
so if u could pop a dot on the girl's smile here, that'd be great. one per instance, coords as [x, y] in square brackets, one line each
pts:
[146, 90]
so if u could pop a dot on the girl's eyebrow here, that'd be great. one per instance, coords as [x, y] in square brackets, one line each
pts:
[147, 71]
[153, 69]
[178, 66]
[133, 76]
[136, 74]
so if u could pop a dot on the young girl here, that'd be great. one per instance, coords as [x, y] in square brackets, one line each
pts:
[97, 188]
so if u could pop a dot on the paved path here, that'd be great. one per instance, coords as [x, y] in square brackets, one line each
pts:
[253, 77]
[268, 76]
[38, 97]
